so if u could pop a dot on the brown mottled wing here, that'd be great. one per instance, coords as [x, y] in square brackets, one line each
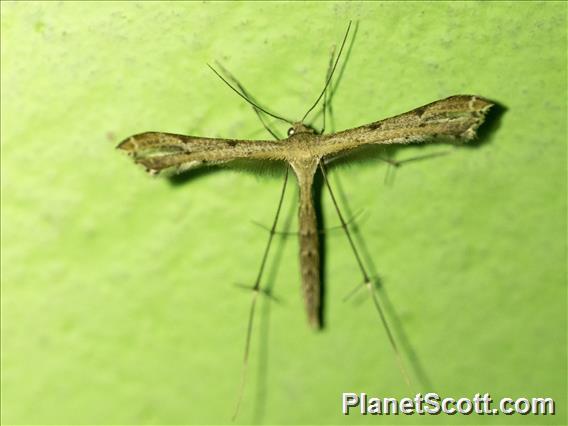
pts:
[456, 117]
[158, 151]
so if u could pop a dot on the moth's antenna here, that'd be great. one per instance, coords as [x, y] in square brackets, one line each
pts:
[244, 91]
[331, 74]
[254, 105]
[327, 97]
[334, 84]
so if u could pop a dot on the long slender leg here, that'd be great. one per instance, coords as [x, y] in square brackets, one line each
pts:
[325, 107]
[320, 231]
[256, 290]
[257, 285]
[366, 280]
[328, 94]
[344, 226]
[393, 165]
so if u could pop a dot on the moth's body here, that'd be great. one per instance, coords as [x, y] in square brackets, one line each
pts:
[455, 117]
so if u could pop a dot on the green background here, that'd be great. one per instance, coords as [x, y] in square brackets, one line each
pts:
[118, 295]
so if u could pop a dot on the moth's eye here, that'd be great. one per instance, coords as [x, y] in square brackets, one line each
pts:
[290, 131]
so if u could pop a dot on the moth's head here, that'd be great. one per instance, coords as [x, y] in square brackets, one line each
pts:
[300, 127]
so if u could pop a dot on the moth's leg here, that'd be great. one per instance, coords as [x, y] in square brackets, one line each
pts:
[327, 107]
[256, 289]
[366, 280]
[344, 225]
[328, 160]
[330, 90]
[328, 94]
[393, 165]
[320, 231]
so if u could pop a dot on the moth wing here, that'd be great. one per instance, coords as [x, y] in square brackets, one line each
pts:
[456, 117]
[157, 151]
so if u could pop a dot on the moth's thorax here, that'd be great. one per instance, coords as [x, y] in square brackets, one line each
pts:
[300, 127]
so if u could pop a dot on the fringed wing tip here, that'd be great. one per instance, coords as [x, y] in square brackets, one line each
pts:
[481, 104]
[131, 147]
[125, 145]
[130, 144]
[478, 107]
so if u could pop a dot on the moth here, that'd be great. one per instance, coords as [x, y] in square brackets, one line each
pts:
[306, 151]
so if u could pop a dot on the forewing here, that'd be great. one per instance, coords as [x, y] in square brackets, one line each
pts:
[456, 117]
[157, 151]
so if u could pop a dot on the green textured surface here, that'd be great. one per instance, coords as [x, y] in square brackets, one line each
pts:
[118, 303]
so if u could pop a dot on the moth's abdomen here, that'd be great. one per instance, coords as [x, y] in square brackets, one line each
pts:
[310, 263]
[309, 242]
